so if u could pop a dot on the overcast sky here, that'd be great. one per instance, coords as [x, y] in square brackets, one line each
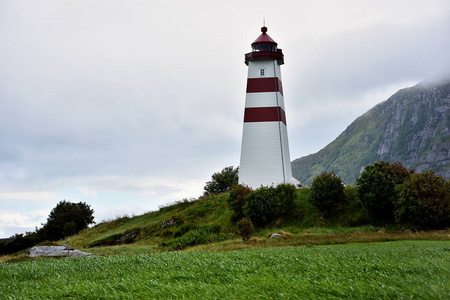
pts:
[128, 105]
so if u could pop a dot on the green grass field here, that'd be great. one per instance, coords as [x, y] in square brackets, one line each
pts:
[390, 270]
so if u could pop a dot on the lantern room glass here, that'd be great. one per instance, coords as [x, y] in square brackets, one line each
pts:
[264, 47]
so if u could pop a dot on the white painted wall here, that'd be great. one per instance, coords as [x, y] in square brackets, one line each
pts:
[268, 65]
[264, 100]
[261, 156]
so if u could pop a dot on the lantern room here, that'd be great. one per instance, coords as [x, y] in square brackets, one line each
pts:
[264, 48]
[264, 42]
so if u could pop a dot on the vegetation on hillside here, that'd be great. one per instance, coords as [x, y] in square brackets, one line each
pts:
[245, 213]
[333, 212]
[266, 204]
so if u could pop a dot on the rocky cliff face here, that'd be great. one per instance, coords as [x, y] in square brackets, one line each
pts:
[411, 127]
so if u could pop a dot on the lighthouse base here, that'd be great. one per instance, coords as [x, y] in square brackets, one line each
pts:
[265, 155]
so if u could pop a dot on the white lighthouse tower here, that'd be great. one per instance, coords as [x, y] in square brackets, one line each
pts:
[265, 156]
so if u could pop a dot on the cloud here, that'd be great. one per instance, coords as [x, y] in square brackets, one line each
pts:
[16, 221]
[349, 63]
[349, 72]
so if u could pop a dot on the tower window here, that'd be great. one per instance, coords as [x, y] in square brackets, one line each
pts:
[261, 72]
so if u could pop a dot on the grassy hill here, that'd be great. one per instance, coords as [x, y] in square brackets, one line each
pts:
[205, 224]
[155, 228]
[185, 224]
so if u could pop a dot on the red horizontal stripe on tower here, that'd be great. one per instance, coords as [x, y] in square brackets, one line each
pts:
[264, 114]
[264, 85]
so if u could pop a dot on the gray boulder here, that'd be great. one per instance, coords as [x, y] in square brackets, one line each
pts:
[55, 251]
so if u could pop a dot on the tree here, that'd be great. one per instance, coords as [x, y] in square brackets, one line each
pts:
[222, 181]
[327, 193]
[424, 201]
[376, 188]
[67, 219]
[267, 203]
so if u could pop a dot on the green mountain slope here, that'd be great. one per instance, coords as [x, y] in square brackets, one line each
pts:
[411, 127]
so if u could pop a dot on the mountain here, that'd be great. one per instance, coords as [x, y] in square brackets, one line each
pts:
[411, 127]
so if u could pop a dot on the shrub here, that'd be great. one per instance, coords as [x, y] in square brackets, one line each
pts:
[245, 228]
[327, 193]
[424, 201]
[286, 194]
[267, 203]
[376, 188]
[236, 200]
[222, 181]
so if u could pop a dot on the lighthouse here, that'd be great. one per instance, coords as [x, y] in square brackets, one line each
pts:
[265, 159]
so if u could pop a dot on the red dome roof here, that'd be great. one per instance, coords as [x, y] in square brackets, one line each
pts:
[264, 37]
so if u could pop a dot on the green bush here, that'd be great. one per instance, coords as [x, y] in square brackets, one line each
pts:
[286, 194]
[267, 203]
[236, 200]
[424, 201]
[327, 193]
[245, 228]
[376, 188]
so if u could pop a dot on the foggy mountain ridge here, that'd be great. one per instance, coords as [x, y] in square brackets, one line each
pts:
[411, 127]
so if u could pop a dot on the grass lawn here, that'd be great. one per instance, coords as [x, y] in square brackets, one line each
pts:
[389, 270]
